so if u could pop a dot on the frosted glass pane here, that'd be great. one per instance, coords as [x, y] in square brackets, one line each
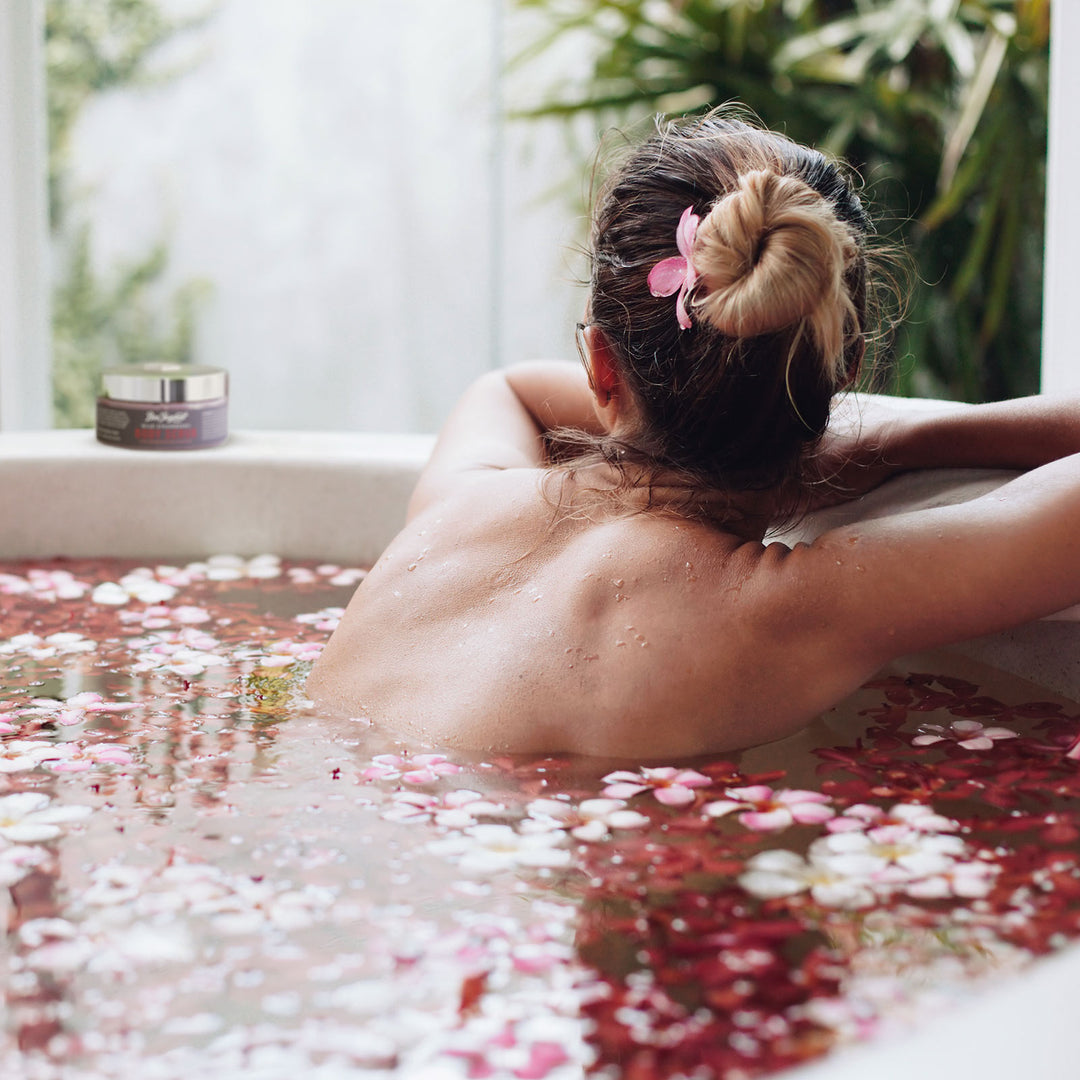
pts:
[332, 186]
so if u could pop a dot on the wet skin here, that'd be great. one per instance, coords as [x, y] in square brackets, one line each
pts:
[519, 611]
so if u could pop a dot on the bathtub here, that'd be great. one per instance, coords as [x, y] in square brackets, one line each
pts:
[342, 497]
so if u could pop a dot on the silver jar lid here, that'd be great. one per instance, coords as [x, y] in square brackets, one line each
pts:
[160, 383]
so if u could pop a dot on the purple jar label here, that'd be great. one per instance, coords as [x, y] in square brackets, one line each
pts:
[189, 425]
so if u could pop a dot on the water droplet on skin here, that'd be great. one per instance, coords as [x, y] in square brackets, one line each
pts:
[852, 539]
[619, 644]
[861, 569]
[617, 582]
[396, 593]
[620, 596]
[411, 566]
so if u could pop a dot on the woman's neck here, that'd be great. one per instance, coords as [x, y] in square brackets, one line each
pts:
[633, 489]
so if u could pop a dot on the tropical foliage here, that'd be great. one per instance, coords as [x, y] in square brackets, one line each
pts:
[940, 104]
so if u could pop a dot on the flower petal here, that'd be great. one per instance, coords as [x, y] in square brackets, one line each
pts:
[686, 232]
[680, 309]
[811, 813]
[767, 820]
[676, 795]
[667, 276]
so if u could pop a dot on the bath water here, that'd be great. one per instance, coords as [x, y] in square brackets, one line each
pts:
[200, 876]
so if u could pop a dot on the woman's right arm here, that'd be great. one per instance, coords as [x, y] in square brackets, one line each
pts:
[499, 423]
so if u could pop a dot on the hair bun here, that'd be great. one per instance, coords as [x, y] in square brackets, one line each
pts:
[770, 254]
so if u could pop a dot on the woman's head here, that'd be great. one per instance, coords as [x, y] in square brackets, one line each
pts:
[731, 380]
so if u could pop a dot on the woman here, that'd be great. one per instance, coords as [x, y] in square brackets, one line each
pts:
[583, 567]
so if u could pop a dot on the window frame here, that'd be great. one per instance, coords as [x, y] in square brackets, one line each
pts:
[1060, 371]
[25, 324]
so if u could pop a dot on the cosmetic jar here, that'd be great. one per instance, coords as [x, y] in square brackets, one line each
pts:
[163, 406]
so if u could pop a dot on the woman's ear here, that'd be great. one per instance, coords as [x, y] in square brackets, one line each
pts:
[603, 375]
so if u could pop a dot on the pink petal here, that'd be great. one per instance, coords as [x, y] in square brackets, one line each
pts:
[424, 760]
[676, 795]
[925, 740]
[543, 1057]
[624, 791]
[661, 773]
[721, 807]
[685, 233]
[680, 308]
[811, 813]
[532, 965]
[793, 796]
[844, 824]
[692, 778]
[621, 774]
[756, 793]
[85, 699]
[980, 743]
[999, 733]
[766, 821]
[667, 276]
[112, 755]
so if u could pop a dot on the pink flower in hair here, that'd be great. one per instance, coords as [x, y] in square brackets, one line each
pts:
[677, 274]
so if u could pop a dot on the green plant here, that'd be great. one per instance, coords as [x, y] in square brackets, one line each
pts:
[940, 104]
[121, 316]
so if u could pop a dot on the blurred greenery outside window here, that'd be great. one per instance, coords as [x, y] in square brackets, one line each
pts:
[941, 106]
[120, 315]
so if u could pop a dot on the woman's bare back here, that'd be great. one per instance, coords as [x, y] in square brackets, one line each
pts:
[495, 621]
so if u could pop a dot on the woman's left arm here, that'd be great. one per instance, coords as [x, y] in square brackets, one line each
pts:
[871, 438]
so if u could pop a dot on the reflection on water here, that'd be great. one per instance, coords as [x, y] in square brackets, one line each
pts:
[201, 877]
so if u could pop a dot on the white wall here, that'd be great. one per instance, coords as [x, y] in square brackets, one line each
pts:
[374, 236]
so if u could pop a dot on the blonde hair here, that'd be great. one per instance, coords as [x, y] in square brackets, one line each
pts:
[772, 254]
